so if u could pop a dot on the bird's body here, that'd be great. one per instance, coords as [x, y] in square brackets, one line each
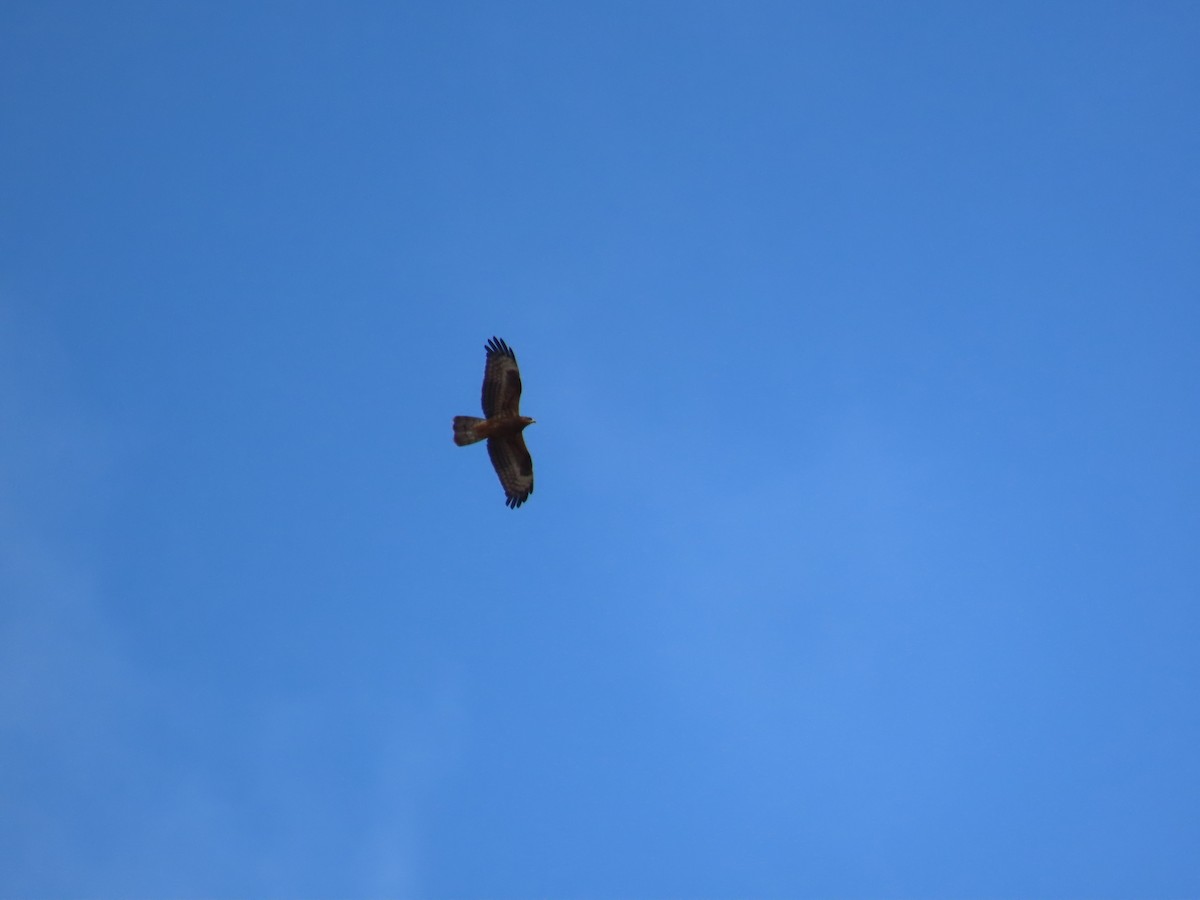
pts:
[503, 424]
[469, 429]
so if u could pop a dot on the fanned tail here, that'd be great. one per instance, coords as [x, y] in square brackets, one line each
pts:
[464, 430]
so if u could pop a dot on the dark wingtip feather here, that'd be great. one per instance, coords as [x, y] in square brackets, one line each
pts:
[496, 346]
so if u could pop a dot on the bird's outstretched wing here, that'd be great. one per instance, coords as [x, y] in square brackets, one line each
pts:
[514, 466]
[501, 381]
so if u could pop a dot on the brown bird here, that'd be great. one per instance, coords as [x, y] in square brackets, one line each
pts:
[503, 425]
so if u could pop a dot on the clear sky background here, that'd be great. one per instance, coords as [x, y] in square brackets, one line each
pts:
[862, 340]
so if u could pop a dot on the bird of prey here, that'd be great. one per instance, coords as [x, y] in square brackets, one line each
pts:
[503, 424]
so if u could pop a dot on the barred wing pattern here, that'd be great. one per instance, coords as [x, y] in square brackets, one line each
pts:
[501, 381]
[514, 466]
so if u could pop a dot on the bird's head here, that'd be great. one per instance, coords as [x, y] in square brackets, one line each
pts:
[525, 420]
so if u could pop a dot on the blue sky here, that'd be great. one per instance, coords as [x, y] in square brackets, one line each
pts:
[862, 340]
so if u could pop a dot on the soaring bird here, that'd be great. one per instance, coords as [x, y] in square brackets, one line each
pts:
[503, 424]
